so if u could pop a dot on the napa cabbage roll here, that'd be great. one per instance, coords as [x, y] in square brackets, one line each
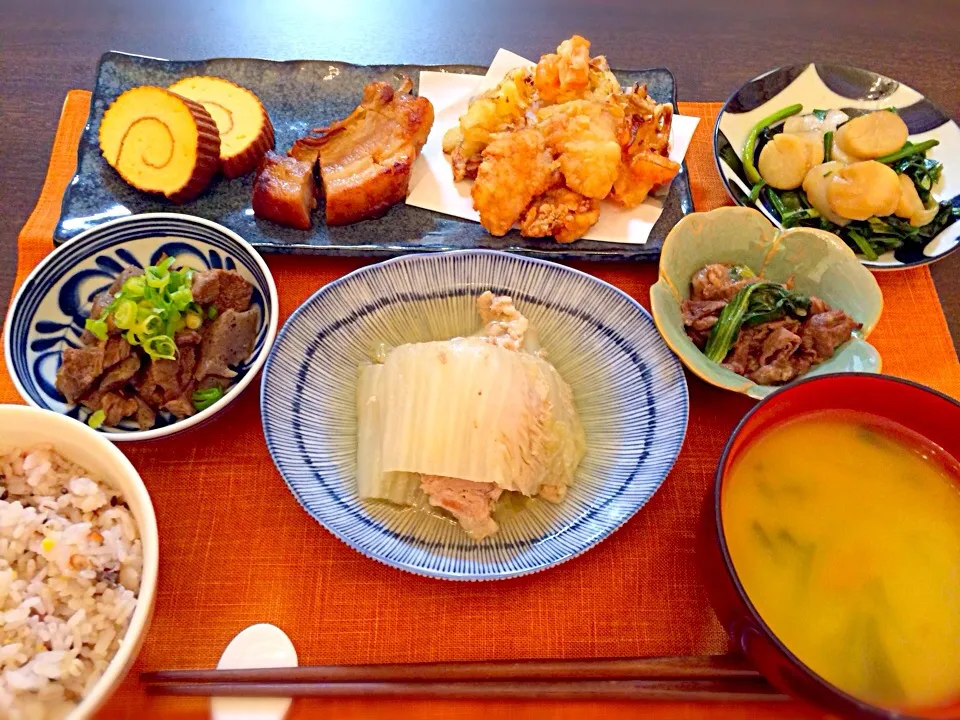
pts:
[461, 421]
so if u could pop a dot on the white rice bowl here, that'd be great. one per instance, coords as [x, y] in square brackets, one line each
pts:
[71, 572]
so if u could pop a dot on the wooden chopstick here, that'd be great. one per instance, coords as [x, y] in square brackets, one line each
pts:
[726, 690]
[709, 667]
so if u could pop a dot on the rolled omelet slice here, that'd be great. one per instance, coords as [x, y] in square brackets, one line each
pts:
[245, 129]
[160, 142]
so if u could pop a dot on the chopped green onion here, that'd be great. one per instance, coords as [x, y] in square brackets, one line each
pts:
[97, 327]
[907, 150]
[125, 314]
[134, 287]
[181, 298]
[96, 419]
[827, 146]
[755, 192]
[746, 157]
[202, 399]
[194, 321]
[212, 313]
[160, 347]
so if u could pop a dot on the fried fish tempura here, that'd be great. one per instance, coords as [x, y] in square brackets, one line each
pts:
[516, 168]
[562, 213]
[583, 135]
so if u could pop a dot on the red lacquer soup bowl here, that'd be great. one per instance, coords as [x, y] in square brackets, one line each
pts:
[928, 413]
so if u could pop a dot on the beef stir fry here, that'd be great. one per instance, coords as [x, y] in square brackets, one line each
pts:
[762, 330]
[160, 339]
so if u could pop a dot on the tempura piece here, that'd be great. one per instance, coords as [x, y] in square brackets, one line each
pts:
[637, 179]
[516, 168]
[497, 110]
[583, 135]
[562, 213]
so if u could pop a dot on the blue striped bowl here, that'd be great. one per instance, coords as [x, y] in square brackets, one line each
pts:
[51, 306]
[628, 386]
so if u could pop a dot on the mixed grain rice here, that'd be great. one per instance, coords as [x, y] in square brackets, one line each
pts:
[70, 566]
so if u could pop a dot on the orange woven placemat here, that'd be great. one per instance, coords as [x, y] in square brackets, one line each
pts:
[236, 548]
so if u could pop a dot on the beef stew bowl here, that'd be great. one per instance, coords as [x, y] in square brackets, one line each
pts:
[829, 545]
[748, 307]
[142, 327]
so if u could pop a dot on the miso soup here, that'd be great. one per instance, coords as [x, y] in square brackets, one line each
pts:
[844, 530]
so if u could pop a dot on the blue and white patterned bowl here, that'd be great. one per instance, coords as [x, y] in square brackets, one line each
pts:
[629, 388]
[51, 306]
[826, 86]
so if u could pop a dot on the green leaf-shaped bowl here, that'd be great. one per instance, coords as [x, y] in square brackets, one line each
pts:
[819, 262]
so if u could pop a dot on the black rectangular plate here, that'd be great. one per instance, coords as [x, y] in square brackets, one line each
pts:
[300, 95]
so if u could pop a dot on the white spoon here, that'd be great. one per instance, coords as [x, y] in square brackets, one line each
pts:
[258, 646]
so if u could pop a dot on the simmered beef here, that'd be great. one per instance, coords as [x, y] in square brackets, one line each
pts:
[125, 381]
[224, 289]
[699, 316]
[115, 350]
[146, 416]
[227, 341]
[79, 369]
[714, 282]
[120, 374]
[116, 407]
[825, 332]
[772, 352]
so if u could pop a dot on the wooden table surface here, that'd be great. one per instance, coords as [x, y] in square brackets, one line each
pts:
[48, 47]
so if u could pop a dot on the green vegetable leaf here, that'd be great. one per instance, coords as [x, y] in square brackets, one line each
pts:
[202, 399]
[755, 303]
[821, 115]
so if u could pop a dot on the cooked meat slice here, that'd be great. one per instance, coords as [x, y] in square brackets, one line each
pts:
[120, 374]
[79, 368]
[699, 317]
[92, 399]
[825, 332]
[562, 213]
[224, 289]
[471, 503]
[305, 149]
[205, 286]
[817, 306]
[115, 350]
[227, 341]
[714, 282]
[777, 361]
[88, 338]
[234, 293]
[116, 407]
[213, 381]
[187, 359]
[744, 356]
[516, 168]
[146, 416]
[502, 322]
[182, 405]
[160, 382]
[284, 191]
[366, 158]
[187, 337]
